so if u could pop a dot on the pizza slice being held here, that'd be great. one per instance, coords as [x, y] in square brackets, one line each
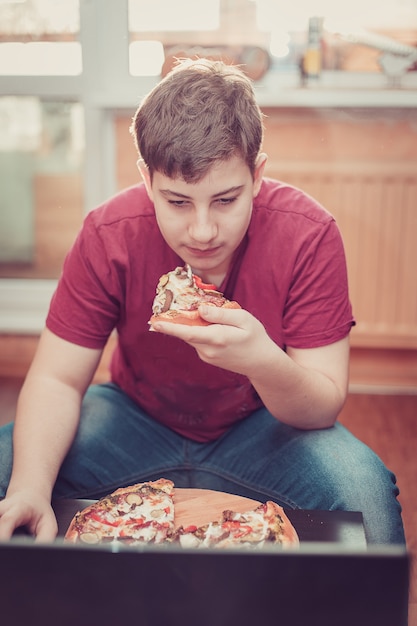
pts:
[179, 294]
[139, 513]
[267, 523]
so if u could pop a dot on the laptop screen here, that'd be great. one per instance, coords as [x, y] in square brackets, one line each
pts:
[111, 585]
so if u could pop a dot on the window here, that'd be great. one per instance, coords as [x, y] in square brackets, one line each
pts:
[181, 15]
[40, 37]
[41, 155]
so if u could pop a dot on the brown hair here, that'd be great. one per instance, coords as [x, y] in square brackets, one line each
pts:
[202, 112]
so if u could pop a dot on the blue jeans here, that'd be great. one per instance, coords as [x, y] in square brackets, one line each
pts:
[260, 458]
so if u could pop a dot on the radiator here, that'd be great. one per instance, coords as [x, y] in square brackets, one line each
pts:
[375, 206]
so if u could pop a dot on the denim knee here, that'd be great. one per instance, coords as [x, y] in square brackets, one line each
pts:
[6, 457]
[353, 477]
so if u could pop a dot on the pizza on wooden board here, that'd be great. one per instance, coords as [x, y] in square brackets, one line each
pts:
[255, 528]
[179, 293]
[139, 513]
[145, 513]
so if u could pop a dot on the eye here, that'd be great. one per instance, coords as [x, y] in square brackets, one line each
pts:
[177, 203]
[226, 201]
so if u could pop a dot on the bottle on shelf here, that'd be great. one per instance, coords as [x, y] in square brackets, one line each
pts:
[311, 61]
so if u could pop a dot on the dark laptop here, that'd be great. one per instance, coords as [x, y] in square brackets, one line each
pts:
[113, 585]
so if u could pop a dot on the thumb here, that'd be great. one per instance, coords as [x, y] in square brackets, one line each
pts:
[217, 314]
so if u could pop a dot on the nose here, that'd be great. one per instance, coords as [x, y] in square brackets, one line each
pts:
[202, 228]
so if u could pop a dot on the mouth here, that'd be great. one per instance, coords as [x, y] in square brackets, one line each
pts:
[202, 252]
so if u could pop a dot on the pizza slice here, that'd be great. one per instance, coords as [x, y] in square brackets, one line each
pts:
[139, 513]
[267, 523]
[179, 294]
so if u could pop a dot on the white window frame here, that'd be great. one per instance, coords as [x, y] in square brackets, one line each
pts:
[104, 88]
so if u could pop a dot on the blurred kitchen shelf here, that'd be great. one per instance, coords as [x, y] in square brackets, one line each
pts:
[337, 89]
[276, 89]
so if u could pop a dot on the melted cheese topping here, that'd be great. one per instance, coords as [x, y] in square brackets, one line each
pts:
[116, 519]
[250, 529]
[177, 291]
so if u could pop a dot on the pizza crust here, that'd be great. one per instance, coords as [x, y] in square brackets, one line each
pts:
[189, 318]
[288, 533]
[178, 296]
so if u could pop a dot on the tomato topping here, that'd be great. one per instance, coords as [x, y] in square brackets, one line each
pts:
[202, 285]
[243, 529]
[190, 529]
[137, 521]
[103, 520]
[231, 524]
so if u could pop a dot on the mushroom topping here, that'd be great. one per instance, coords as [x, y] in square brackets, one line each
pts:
[134, 498]
[89, 537]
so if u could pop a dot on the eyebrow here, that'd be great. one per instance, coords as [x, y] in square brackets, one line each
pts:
[234, 189]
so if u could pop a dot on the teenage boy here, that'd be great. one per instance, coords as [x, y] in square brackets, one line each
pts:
[247, 405]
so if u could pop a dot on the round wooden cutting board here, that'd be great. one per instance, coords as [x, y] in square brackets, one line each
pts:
[200, 506]
[192, 507]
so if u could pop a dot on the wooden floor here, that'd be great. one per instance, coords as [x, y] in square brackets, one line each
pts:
[387, 423]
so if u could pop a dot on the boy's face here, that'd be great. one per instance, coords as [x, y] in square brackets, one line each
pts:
[205, 222]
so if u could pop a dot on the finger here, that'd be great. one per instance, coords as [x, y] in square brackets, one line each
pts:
[7, 527]
[46, 530]
[186, 332]
[221, 315]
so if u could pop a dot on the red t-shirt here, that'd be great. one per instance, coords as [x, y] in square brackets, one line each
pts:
[289, 272]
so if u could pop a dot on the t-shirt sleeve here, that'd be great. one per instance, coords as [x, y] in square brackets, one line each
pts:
[318, 310]
[85, 307]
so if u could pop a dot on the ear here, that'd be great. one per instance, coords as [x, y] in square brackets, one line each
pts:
[259, 172]
[146, 177]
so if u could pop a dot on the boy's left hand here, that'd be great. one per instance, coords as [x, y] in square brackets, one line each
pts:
[233, 341]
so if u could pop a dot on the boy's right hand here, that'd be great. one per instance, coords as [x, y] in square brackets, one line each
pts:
[234, 340]
[28, 509]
